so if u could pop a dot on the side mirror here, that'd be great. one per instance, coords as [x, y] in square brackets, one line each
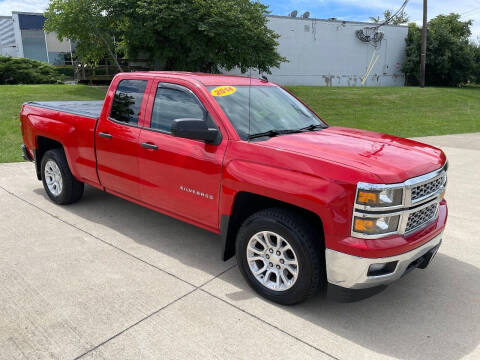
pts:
[195, 129]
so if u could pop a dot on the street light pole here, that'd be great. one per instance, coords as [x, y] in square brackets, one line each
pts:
[423, 54]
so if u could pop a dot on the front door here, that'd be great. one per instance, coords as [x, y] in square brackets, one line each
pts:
[117, 139]
[180, 176]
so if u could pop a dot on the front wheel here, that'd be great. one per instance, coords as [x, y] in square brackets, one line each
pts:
[280, 255]
[58, 181]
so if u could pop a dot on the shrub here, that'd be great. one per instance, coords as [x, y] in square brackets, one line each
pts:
[66, 70]
[450, 55]
[27, 71]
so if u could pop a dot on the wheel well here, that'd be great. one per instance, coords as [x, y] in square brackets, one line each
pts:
[43, 145]
[247, 204]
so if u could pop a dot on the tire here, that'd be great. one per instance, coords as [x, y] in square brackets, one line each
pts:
[284, 229]
[61, 187]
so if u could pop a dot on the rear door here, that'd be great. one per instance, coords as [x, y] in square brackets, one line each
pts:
[181, 176]
[117, 138]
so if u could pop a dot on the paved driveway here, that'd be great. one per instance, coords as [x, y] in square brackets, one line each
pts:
[105, 278]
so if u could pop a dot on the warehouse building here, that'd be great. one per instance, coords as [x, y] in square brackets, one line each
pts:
[22, 35]
[320, 52]
[338, 53]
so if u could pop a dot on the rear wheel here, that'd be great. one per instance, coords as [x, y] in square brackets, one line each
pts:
[281, 256]
[58, 181]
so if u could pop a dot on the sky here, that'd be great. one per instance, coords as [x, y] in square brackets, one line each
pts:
[353, 10]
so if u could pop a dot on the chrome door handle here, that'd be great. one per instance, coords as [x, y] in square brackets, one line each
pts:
[105, 135]
[149, 146]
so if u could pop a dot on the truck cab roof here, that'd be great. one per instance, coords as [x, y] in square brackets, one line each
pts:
[204, 78]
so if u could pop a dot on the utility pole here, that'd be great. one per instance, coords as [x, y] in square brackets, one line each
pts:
[423, 54]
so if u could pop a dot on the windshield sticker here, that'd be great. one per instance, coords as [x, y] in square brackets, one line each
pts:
[223, 91]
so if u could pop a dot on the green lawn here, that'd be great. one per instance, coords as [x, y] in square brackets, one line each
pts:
[11, 99]
[400, 111]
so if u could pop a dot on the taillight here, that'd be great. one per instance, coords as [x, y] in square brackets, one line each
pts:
[22, 120]
[21, 124]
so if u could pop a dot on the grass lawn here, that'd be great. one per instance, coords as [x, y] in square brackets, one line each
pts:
[11, 99]
[402, 111]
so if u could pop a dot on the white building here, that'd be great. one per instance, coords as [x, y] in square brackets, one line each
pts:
[330, 53]
[22, 35]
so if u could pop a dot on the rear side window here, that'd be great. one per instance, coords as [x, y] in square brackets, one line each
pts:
[171, 104]
[128, 100]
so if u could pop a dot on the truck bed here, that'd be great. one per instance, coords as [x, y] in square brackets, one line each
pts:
[90, 109]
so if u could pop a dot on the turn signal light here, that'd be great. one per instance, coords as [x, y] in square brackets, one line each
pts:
[376, 226]
[367, 197]
[364, 225]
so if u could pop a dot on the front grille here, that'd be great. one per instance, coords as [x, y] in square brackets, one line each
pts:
[421, 218]
[429, 188]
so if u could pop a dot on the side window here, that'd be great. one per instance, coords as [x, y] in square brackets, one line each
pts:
[171, 104]
[128, 100]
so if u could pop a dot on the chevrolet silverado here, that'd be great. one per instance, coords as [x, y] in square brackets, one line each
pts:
[304, 207]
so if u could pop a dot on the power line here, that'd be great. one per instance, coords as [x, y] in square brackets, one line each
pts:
[394, 15]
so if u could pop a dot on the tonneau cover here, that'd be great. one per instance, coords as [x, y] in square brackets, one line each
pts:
[83, 108]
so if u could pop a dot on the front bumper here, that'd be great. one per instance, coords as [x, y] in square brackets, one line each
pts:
[352, 272]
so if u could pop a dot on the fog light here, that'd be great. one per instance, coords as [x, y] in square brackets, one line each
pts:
[376, 267]
[382, 268]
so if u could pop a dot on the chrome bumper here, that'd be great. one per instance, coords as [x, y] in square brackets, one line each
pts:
[351, 272]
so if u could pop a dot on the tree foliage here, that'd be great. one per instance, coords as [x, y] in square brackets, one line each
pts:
[450, 54]
[194, 35]
[400, 18]
[88, 23]
[27, 71]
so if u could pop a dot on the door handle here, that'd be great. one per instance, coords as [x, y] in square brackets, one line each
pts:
[149, 146]
[105, 135]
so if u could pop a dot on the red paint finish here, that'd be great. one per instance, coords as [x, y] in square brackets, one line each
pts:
[198, 183]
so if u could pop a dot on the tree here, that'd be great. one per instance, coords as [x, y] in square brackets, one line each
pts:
[193, 35]
[476, 61]
[450, 55]
[88, 22]
[400, 18]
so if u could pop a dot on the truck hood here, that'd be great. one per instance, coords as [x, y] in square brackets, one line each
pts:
[391, 158]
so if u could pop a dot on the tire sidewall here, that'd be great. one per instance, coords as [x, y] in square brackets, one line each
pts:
[54, 156]
[304, 280]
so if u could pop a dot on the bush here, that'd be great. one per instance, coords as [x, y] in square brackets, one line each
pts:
[450, 55]
[66, 70]
[26, 71]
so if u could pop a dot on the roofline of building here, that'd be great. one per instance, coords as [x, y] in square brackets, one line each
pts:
[334, 21]
[273, 16]
[26, 13]
[20, 13]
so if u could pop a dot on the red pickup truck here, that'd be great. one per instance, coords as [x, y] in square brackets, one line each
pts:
[303, 206]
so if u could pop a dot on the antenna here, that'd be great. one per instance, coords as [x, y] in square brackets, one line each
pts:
[293, 13]
[306, 15]
[249, 102]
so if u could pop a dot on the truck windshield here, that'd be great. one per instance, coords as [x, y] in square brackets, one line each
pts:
[272, 110]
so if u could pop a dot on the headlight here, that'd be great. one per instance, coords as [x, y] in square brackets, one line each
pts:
[380, 198]
[376, 226]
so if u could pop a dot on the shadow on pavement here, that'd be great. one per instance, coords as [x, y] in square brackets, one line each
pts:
[429, 314]
[123, 223]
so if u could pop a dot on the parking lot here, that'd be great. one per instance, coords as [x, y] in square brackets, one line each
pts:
[105, 278]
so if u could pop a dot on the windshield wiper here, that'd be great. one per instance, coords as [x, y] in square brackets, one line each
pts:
[312, 127]
[272, 133]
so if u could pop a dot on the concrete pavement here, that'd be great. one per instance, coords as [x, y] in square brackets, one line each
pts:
[105, 278]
